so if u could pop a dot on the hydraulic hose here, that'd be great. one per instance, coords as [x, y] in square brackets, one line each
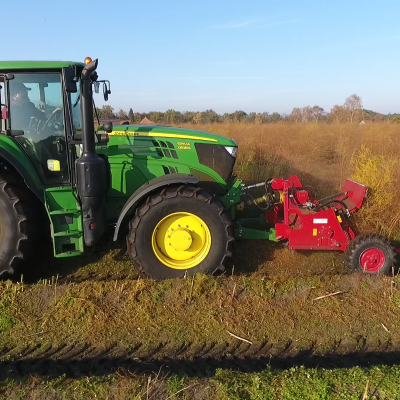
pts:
[342, 203]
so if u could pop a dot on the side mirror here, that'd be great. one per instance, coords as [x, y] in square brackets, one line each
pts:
[106, 90]
[69, 80]
[108, 127]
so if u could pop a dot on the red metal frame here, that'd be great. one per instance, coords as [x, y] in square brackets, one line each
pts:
[308, 229]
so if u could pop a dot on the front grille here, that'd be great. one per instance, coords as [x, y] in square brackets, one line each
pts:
[217, 158]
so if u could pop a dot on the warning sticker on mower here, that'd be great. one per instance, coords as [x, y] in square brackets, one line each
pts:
[320, 220]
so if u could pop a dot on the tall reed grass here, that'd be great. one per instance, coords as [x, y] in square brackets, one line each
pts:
[324, 155]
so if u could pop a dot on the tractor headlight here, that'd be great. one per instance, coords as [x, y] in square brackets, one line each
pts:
[231, 150]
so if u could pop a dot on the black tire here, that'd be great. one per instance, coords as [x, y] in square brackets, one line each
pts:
[176, 199]
[18, 224]
[371, 254]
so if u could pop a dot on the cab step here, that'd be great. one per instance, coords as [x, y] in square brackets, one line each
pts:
[66, 221]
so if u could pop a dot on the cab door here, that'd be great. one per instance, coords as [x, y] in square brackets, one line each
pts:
[36, 107]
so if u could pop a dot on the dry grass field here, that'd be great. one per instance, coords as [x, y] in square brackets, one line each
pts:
[84, 310]
[323, 156]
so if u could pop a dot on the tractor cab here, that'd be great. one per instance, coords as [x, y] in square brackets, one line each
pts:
[36, 116]
[41, 110]
[47, 116]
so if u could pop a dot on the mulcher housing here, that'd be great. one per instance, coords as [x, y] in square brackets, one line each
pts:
[175, 186]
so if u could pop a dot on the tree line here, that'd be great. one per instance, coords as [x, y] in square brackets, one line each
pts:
[350, 111]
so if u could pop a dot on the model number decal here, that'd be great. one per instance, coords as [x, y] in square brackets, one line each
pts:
[320, 220]
[124, 133]
[184, 146]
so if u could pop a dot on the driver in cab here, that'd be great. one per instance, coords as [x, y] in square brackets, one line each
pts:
[22, 109]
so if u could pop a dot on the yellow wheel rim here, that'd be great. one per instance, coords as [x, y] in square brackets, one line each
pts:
[181, 240]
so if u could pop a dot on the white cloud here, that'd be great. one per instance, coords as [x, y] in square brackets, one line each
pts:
[226, 62]
[362, 43]
[236, 25]
[220, 77]
[259, 22]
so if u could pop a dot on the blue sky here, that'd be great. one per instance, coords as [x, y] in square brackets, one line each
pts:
[225, 55]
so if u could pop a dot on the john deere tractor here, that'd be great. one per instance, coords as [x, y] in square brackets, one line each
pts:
[172, 187]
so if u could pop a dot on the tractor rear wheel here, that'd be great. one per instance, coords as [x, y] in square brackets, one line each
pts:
[370, 253]
[178, 231]
[18, 230]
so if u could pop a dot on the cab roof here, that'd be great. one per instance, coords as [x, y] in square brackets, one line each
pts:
[31, 65]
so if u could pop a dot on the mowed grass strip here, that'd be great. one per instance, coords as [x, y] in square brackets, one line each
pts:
[201, 310]
[293, 384]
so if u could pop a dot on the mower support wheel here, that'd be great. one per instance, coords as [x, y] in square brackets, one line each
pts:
[371, 254]
[179, 231]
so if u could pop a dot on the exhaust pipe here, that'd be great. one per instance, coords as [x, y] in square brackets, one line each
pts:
[90, 168]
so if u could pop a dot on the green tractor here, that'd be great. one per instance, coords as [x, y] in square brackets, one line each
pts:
[173, 187]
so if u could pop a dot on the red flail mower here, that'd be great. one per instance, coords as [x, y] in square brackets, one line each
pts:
[307, 224]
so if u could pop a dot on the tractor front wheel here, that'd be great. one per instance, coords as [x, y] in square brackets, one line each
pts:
[178, 231]
[370, 253]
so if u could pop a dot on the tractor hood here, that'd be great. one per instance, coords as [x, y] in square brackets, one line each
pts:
[140, 153]
[160, 132]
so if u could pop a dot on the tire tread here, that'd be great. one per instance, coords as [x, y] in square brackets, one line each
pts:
[22, 203]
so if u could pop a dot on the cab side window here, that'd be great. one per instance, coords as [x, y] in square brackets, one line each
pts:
[36, 107]
[3, 109]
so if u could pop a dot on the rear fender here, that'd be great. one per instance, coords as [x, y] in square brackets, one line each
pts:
[149, 187]
[18, 160]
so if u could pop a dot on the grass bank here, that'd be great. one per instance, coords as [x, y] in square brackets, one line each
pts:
[293, 384]
[202, 310]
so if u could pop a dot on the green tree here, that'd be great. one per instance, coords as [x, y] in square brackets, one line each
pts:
[188, 116]
[156, 116]
[106, 112]
[138, 117]
[170, 116]
[275, 117]
[122, 115]
[210, 117]
[131, 116]
[238, 116]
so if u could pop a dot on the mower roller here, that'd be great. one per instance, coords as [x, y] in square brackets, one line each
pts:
[171, 189]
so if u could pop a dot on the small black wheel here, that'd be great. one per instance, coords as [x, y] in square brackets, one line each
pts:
[178, 231]
[19, 225]
[370, 253]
